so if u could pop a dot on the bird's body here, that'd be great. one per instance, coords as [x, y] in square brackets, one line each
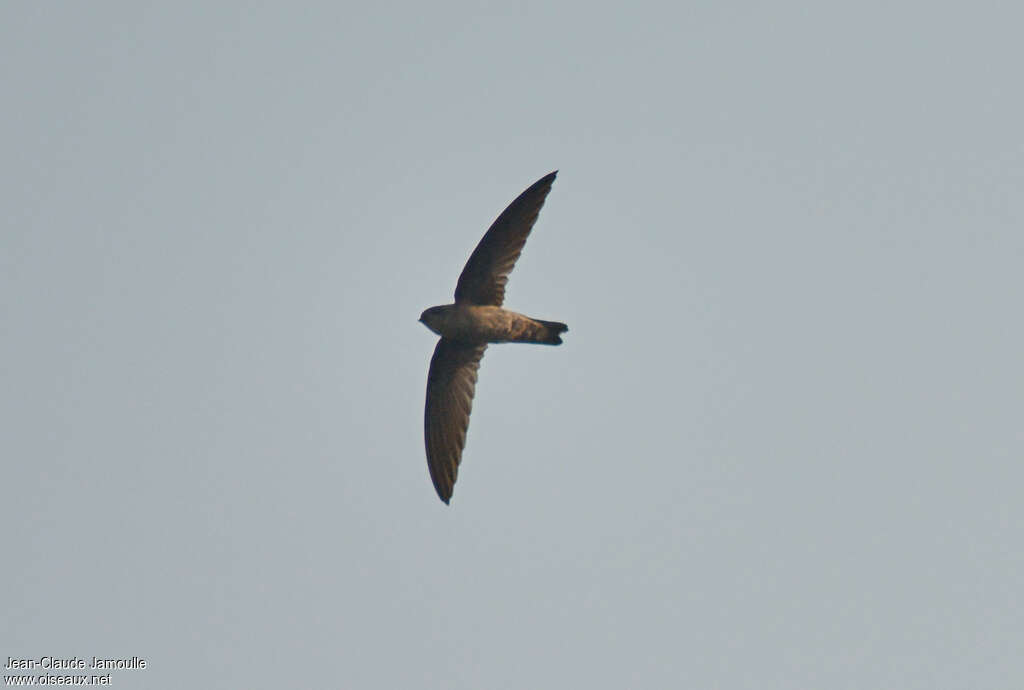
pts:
[472, 323]
[467, 326]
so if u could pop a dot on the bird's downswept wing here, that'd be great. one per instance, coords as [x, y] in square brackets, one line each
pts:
[484, 277]
[451, 384]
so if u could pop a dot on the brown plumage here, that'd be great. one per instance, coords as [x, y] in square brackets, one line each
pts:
[467, 326]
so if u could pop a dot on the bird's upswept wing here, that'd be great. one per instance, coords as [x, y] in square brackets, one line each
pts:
[450, 388]
[484, 277]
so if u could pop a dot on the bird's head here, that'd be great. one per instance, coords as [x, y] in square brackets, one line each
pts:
[431, 318]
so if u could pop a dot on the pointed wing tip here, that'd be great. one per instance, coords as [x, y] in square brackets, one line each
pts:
[545, 182]
[543, 186]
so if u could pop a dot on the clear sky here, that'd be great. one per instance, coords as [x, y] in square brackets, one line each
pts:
[781, 446]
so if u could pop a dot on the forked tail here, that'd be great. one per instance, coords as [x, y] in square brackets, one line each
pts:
[551, 332]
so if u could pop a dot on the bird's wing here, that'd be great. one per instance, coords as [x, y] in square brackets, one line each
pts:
[450, 388]
[484, 277]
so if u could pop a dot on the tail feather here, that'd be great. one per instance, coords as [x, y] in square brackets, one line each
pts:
[552, 332]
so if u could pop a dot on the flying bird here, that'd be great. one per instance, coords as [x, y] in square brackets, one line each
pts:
[467, 326]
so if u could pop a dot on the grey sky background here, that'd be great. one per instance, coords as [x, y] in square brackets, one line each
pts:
[780, 448]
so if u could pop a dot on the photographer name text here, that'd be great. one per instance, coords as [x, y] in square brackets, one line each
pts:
[54, 662]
